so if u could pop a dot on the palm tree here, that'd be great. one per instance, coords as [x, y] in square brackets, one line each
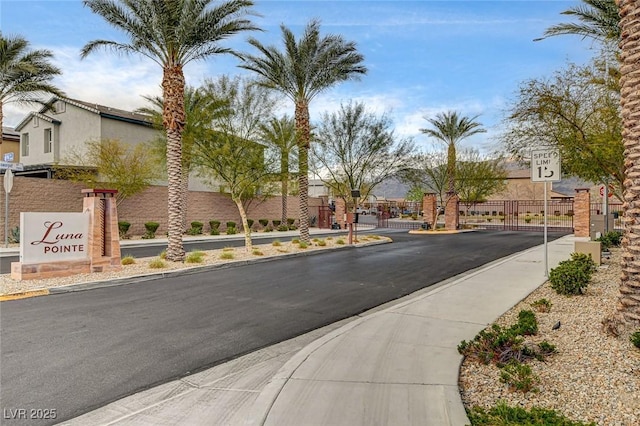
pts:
[280, 134]
[599, 20]
[172, 33]
[304, 69]
[25, 75]
[200, 110]
[629, 301]
[451, 128]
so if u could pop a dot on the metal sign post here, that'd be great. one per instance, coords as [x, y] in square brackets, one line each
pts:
[8, 185]
[545, 167]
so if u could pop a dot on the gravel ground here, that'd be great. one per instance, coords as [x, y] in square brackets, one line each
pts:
[211, 257]
[593, 378]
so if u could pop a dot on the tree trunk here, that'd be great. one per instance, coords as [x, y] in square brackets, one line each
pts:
[284, 170]
[245, 224]
[185, 199]
[629, 301]
[173, 117]
[451, 167]
[303, 137]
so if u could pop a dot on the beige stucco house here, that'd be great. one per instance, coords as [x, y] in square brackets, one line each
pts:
[10, 145]
[64, 124]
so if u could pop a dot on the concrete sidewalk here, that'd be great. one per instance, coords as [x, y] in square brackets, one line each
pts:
[395, 365]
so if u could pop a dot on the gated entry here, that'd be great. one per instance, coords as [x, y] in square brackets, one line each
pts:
[518, 215]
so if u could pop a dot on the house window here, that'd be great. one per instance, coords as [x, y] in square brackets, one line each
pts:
[36, 121]
[25, 144]
[48, 140]
[58, 107]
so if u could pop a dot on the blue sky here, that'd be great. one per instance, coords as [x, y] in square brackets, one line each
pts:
[423, 57]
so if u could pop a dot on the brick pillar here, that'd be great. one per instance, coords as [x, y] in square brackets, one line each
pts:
[341, 209]
[429, 206]
[104, 237]
[451, 214]
[582, 213]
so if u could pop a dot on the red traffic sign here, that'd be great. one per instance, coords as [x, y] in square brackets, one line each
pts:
[610, 191]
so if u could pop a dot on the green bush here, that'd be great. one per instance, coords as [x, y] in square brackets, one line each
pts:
[610, 239]
[263, 222]
[214, 224]
[572, 276]
[195, 257]
[151, 228]
[128, 260]
[527, 219]
[196, 228]
[214, 231]
[231, 224]
[635, 339]
[231, 230]
[503, 415]
[527, 324]
[500, 345]
[250, 223]
[542, 305]
[123, 228]
[276, 222]
[283, 228]
[519, 377]
[290, 221]
[157, 263]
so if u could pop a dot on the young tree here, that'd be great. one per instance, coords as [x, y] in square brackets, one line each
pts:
[172, 33]
[355, 149]
[451, 128]
[577, 111]
[304, 69]
[25, 75]
[112, 163]
[280, 135]
[478, 177]
[228, 152]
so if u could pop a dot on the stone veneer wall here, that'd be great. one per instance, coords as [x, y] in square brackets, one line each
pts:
[50, 195]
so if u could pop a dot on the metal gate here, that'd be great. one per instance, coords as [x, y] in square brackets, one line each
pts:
[518, 215]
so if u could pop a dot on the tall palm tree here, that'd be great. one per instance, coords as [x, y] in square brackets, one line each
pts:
[629, 301]
[172, 33]
[25, 75]
[280, 134]
[304, 69]
[200, 110]
[451, 128]
[599, 20]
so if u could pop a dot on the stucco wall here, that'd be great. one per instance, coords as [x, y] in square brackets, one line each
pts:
[42, 195]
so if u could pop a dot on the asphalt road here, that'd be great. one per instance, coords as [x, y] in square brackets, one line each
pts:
[78, 351]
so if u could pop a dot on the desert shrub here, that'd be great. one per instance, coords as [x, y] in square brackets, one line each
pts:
[572, 276]
[542, 305]
[500, 345]
[610, 239]
[503, 415]
[340, 241]
[257, 252]
[527, 324]
[123, 228]
[263, 222]
[268, 229]
[276, 243]
[194, 257]
[128, 260]
[635, 339]
[214, 231]
[321, 243]
[163, 255]
[226, 255]
[527, 219]
[283, 228]
[151, 228]
[519, 377]
[303, 245]
[196, 228]
[157, 264]
[231, 231]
